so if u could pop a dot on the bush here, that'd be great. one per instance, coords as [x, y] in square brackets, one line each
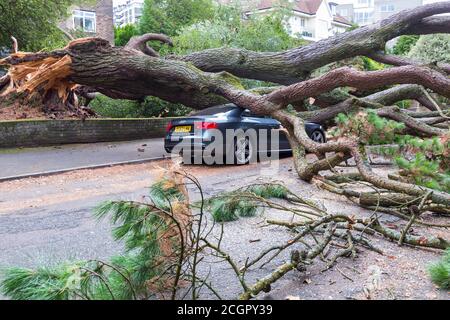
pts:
[258, 34]
[123, 34]
[150, 107]
[404, 45]
[432, 48]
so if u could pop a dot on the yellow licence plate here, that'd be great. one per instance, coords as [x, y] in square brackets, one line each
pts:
[183, 129]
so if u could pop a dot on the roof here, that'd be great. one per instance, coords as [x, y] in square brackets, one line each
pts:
[304, 6]
[341, 19]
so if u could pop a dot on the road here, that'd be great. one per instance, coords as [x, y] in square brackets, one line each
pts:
[48, 220]
[24, 161]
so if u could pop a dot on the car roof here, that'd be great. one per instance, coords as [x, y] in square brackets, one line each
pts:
[223, 108]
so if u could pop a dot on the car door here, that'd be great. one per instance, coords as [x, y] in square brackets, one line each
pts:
[263, 126]
[283, 142]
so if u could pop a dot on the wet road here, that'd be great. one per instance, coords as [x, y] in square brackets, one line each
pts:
[24, 161]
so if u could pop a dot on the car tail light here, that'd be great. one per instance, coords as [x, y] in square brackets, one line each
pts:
[205, 125]
[169, 126]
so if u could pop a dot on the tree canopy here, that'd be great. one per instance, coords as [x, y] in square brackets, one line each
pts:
[258, 34]
[34, 23]
[432, 48]
[169, 16]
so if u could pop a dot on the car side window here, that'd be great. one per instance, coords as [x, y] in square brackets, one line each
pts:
[247, 113]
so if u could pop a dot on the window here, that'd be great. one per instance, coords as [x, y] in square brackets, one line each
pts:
[302, 22]
[343, 12]
[364, 2]
[387, 8]
[216, 110]
[84, 20]
[247, 113]
[362, 17]
[333, 9]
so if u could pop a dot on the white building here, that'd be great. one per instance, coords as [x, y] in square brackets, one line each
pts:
[366, 12]
[128, 12]
[311, 19]
[363, 12]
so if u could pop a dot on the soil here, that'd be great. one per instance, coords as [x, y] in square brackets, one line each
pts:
[20, 112]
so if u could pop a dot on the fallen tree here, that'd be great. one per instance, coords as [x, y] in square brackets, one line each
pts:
[210, 77]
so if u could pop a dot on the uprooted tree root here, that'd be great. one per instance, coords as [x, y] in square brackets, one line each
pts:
[41, 82]
[168, 238]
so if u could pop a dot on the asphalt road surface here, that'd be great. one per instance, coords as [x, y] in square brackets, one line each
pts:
[24, 161]
[48, 220]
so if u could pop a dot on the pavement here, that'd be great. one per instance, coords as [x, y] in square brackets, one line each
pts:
[29, 161]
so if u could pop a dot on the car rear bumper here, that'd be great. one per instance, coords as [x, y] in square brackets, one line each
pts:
[179, 143]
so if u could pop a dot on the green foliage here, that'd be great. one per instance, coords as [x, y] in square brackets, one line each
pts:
[203, 35]
[230, 209]
[440, 271]
[243, 202]
[115, 108]
[404, 104]
[354, 26]
[429, 165]
[163, 194]
[123, 34]
[169, 16]
[425, 172]
[368, 127]
[150, 107]
[371, 65]
[404, 44]
[33, 23]
[42, 284]
[139, 225]
[265, 33]
[432, 48]
[267, 191]
[155, 107]
[424, 162]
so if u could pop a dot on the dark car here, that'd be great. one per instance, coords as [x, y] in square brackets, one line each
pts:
[241, 135]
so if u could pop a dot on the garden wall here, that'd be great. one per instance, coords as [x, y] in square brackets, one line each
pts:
[34, 133]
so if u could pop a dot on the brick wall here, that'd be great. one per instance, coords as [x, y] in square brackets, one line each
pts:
[34, 133]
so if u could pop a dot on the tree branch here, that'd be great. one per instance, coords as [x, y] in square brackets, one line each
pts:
[296, 64]
[139, 43]
[402, 61]
[362, 80]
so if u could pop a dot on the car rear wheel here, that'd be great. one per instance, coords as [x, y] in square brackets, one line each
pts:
[243, 150]
[318, 136]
